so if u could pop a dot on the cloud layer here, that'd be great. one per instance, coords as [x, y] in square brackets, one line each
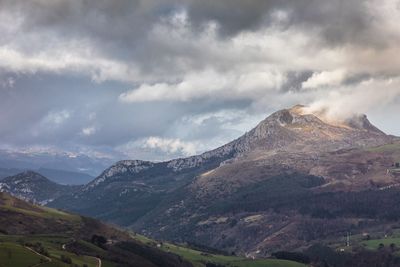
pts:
[159, 79]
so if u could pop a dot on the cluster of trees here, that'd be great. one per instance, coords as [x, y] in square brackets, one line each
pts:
[99, 240]
[66, 259]
[211, 264]
[292, 256]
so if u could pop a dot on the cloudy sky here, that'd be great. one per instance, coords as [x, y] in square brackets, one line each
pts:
[150, 79]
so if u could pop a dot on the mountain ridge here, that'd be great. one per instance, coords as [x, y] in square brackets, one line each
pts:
[191, 199]
[275, 124]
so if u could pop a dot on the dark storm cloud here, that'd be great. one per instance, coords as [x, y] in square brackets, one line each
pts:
[124, 22]
[339, 21]
[121, 26]
[120, 30]
[295, 79]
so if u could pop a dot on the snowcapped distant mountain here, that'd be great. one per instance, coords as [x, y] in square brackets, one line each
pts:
[12, 162]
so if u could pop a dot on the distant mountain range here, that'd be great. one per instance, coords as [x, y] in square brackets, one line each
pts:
[295, 179]
[62, 168]
[57, 176]
[35, 160]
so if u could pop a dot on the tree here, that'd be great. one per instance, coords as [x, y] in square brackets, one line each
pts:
[99, 240]
[66, 259]
[211, 264]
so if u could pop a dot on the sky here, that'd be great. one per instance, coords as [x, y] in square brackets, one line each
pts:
[154, 80]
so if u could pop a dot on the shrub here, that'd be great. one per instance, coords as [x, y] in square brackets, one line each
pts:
[66, 259]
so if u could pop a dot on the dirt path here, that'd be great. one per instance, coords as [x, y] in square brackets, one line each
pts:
[98, 261]
[37, 253]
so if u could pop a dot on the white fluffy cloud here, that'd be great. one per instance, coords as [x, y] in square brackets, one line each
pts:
[56, 118]
[369, 95]
[170, 146]
[207, 84]
[158, 148]
[88, 131]
[324, 78]
[73, 58]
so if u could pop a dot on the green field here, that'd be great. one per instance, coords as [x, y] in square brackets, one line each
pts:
[16, 255]
[9, 203]
[395, 147]
[199, 259]
[374, 243]
[13, 254]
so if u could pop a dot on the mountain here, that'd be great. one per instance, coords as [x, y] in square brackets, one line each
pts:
[34, 187]
[295, 179]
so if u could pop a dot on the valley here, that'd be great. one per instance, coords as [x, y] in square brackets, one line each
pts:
[30, 235]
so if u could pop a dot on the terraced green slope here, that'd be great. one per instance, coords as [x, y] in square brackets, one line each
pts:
[199, 258]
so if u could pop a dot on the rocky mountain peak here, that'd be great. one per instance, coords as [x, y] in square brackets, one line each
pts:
[299, 127]
[303, 116]
[295, 115]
